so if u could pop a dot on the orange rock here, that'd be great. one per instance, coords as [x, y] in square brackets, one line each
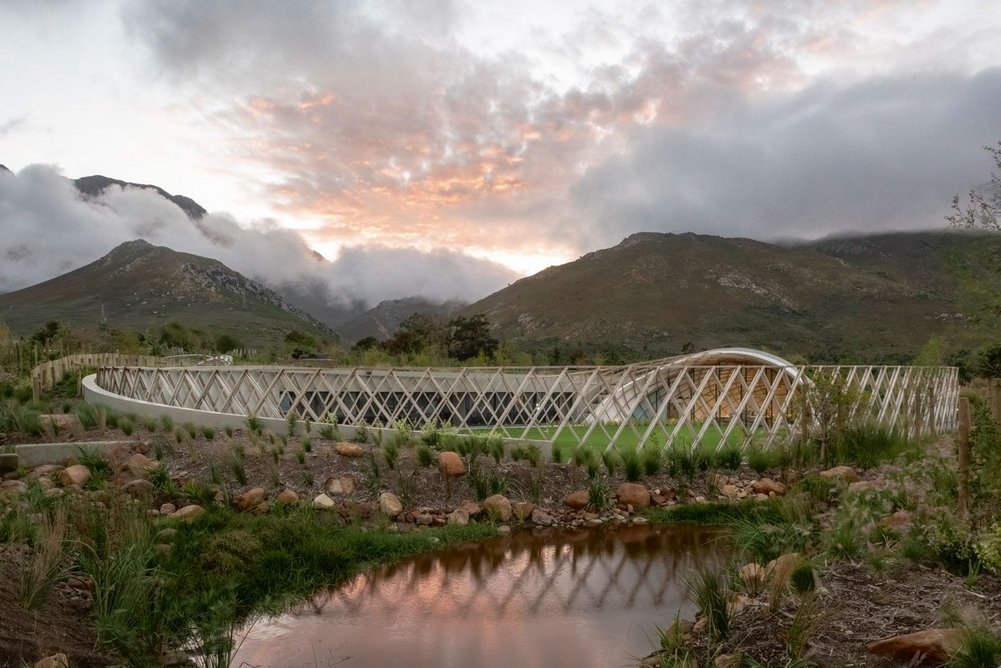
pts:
[353, 450]
[576, 500]
[450, 464]
[931, 646]
[633, 494]
[250, 499]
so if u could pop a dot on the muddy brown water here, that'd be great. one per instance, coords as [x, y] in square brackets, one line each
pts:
[545, 598]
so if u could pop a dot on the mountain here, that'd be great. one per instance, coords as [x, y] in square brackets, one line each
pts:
[97, 184]
[138, 285]
[866, 297]
[380, 322]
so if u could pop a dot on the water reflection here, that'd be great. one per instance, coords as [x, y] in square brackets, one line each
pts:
[548, 598]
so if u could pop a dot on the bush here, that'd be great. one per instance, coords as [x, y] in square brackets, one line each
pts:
[651, 460]
[632, 465]
[598, 495]
[425, 456]
[18, 417]
[729, 458]
[208, 432]
[709, 588]
[867, 446]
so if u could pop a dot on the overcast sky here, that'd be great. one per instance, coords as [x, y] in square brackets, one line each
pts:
[409, 141]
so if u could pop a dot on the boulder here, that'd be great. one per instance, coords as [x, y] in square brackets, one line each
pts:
[43, 471]
[53, 661]
[899, 521]
[864, 486]
[353, 450]
[323, 502]
[139, 487]
[62, 423]
[389, 504]
[728, 661]
[188, 513]
[523, 509]
[472, 508]
[450, 464]
[753, 576]
[458, 516]
[139, 465]
[168, 509]
[340, 485]
[287, 498]
[633, 494]
[498, 507]
[783, 564]
[542, 518]
[78, 474]
[845, 472]
[250, 499]
[13, 486]
[576, 500]
[729, 491]
[768, 486]
[935, 646]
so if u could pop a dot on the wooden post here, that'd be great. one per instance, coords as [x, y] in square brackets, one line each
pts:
[964, 457]
[36, 388]
[996, 400]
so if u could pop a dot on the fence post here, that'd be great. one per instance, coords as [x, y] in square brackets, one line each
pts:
[996, 400]
[964, 457]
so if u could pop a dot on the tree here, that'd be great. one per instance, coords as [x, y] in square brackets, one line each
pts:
[417, 332]
[470, 337]
[982, 209]
[225, 343]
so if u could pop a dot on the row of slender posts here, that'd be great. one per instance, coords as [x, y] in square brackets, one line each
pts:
[963, 443]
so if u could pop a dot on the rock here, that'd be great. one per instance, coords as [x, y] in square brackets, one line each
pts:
[472, 508]
[261, 508]
[498, 507]
[188, 513]
[62, 423]
[864, 486]
[845, 472]
[78, 474]
[54, 492]
[323, 502]
[542, 518]
[163, 548]
[287, 498]
[899, 521]
[340, 485]
[753, 576]
[168, 509]
[768, 486]
[633, 494]
[139, 487]
[730, 492]
[251, 498]
[353, 450]
[458, 516]
[728, 661]
[423, 519]
[139, 465]
[737, 602]
[165, 535]
[43, 471]
[523, 509]
[783, 564]
[936, 646]
[504, 530]
[53, 661]
[389, 504]
[576, 500]
[13, 486]
[450, 464]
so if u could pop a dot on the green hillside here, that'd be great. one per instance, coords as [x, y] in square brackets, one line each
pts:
[139, 286]
[865, 298]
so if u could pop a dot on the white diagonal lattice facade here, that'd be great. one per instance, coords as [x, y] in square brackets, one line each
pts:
[714, 399]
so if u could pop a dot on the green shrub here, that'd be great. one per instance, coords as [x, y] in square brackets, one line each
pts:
[803, 579]
[981, 649]
[425, 456]
[709, 588]
[651, 460]
[307, 444]
[681, 462]
[150, 424]
[191, 429]
[729, 458]
[300, 456]
[254, 424]
[632, 464]
[867, 446]
[208, 432]
[611, 460]
[598, 495]
[329, 432]
[166, 423]
[239, 471]
[761, 459]
[391, 451]
[19, 418]
[228, 430]
[127, 426]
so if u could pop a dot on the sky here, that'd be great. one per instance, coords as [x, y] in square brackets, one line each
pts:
[446, 148]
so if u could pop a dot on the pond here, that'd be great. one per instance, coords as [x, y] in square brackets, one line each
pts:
[545, 598]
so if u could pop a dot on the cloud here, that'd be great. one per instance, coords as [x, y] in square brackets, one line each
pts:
[11, 125]
[886, 153]
[49, 228]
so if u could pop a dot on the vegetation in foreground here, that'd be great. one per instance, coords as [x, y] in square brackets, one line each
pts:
[821, 566]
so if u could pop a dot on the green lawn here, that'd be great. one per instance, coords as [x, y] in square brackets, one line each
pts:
[629, 438]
